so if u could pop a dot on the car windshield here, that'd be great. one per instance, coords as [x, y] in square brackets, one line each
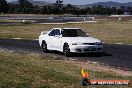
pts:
[73, 33]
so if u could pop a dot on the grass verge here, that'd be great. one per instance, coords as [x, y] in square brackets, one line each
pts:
[107, 31]
[19, 70]
[4, 20]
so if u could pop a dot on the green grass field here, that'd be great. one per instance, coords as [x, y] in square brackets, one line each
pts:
[20, 70]
[24, 70]
[106, 30]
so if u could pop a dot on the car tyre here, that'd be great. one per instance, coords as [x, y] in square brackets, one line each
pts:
[66, 50]
[44, 47]
[99, 53]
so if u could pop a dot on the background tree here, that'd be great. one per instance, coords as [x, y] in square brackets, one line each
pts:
[13, 8]
[59, 3]
[25, 6]
[89, 10]
[113, 10]
[3, 6]
[120, 11]
[69, 9]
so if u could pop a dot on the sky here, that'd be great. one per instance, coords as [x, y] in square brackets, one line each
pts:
[83, 2]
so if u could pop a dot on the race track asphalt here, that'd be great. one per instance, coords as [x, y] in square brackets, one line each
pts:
[115, 55]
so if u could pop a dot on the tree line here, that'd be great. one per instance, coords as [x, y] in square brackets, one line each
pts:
[25, 7]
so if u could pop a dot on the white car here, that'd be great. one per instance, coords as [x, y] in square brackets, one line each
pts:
[69, 40]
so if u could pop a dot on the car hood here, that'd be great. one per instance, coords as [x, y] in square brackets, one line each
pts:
[80, 40]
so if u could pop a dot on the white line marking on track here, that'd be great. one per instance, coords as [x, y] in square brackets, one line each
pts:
[16, 38]
[72, 22]
[119, 43]
[122, 44]
[35, 39]
[52, 23]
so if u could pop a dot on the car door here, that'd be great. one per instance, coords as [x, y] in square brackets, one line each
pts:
[56, 39]
[50, 42]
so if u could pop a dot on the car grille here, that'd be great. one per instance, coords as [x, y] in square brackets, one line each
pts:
[93, 49]
[89, 43]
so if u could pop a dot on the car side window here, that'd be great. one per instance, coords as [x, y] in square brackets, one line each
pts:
[52, 33]
[57, 32]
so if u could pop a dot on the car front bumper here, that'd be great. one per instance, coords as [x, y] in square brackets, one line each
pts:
[85, 48]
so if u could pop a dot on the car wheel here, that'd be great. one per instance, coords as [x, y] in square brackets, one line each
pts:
[44, 47]
[66, 50]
